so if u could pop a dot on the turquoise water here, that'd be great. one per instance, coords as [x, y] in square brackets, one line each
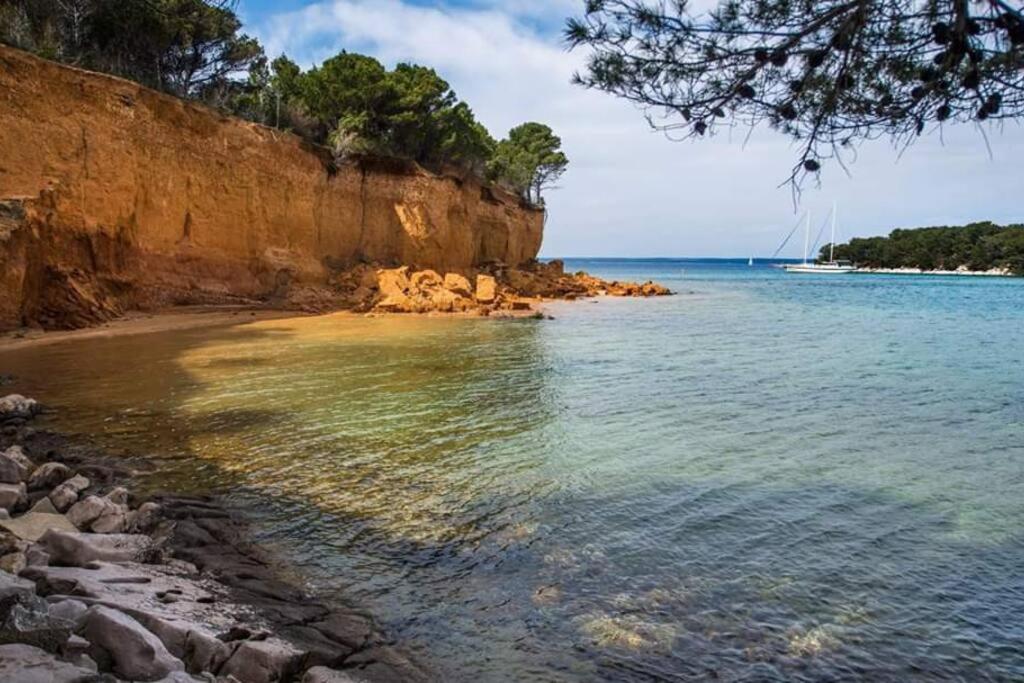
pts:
[767, 477]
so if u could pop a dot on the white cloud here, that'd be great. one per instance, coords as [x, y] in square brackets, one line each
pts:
[630, 191]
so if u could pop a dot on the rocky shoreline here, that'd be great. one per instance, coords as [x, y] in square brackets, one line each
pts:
[98, 584]
[493, 290]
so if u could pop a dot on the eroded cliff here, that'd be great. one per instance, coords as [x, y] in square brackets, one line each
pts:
[115, 197]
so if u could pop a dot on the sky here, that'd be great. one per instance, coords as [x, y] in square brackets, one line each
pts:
[630, 191]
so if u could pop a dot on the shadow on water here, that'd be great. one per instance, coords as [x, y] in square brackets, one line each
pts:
[419, 469]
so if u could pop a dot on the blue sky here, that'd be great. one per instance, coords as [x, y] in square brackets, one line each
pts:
[629, 190]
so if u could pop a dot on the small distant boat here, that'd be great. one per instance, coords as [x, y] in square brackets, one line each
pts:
[751, 261]
[831, 267]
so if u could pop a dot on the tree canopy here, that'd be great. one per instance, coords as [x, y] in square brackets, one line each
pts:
[530, 160]
[828, 73]
[181, 46]
[978, 246]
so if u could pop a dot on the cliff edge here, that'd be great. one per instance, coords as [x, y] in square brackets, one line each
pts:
[115, 197]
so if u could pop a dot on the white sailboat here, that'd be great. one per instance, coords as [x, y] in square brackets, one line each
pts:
[832, 267]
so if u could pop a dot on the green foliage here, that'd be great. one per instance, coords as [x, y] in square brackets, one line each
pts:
[978, 246]
[409, 112]
[185, 47]
[530, 160]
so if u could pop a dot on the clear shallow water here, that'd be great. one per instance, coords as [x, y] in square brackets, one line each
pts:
[767, 477]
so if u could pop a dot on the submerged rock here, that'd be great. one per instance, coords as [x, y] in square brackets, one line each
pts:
[17, 407]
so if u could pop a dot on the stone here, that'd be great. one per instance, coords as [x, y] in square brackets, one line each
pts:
[36, 557]
[10, 542]
[44, 506]
[26, 664]
[145, 519]
[12, 495]
[113, 521]
[26, 619]
[443, 300]
[77, 549]
[393, 281]
[12, 587]
[32, 525]
[65, 495]
[4, 514]
[425, 280]
[198, 648]
[321, 674]
[68, 610]
[99, 514]
[17, 407]
[48, 475]
[15, 466]
[13, 563]
[118, 496]
[263, 661]
[134, 652]
[458, 284]
[486, 289]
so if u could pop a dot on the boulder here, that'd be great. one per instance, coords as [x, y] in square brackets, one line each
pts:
[15, 466]
[48, 475]
[486, 289]
[25, 618]
[321, 674]
[425, 281]
[145, 519]
[76, 549]
[68, 610]
[99, 514]
[458, 284]
[393, 281]
[32, 525]
[263, 661]
[27, 664]
[17, 407]
[12, 495]
[118, 496]
[65, 495]
[133, 652]
[443, 300]
[12, 587]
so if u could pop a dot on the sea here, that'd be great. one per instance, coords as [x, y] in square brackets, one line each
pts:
[766, 477]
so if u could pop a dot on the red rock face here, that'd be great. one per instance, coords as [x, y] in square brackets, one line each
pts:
[114, 197]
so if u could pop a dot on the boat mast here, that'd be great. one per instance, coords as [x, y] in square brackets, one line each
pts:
[832, 243]
[807, 236]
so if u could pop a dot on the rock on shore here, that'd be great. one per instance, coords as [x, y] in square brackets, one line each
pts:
[495, 289]
[97, 585]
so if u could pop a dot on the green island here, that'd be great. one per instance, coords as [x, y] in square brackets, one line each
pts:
[975, 247]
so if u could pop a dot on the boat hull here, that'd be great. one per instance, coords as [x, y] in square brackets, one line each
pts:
[815, 269]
